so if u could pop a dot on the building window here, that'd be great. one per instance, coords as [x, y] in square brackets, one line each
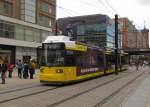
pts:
[45, 21]
[37, 35]
[19, 32]
[45, 34]
[6, 8]
[45, 7]
[29, 34]
[6, 30]
[1, 29]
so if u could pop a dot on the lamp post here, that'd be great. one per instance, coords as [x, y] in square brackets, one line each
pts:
[116, 44]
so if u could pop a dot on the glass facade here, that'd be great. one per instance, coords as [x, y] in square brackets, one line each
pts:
[20, 32]
[111, 36]
[92, 33]
[102, 35]
[94, 28]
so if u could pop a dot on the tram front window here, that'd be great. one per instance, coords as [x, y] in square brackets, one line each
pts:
[55, 58]
[55, 55]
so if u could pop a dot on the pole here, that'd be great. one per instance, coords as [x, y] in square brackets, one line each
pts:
[116, 44]
[56, 28]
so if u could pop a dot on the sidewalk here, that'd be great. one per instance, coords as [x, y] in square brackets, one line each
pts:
[140, 97]
[15, 81]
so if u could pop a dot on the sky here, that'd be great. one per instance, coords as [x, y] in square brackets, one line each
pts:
[136, 10]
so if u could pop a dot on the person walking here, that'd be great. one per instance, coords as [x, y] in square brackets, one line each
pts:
[137, 66]
[25, 70]
[19, 66]
[4, 69]
[31, 69]
[1, 61]
[10, 70]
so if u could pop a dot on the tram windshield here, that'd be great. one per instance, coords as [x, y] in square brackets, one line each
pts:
[53, 54]
[55, 58]
[56, 55]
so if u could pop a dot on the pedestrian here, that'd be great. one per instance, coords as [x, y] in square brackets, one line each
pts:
[4, 69]
[1, 61]
[10, 70]
[32, 68]
[25, 70]
[19, 66]
[137, 65]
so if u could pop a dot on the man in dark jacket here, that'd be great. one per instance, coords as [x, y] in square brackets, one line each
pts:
[25, 70]
[3, 71]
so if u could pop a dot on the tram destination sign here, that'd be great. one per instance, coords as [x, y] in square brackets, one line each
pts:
[54, 46]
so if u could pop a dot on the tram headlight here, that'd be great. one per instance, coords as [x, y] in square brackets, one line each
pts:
[59, 71]
[41, 70]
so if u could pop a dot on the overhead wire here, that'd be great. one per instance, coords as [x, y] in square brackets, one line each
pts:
[111, 6]
[66, 10]
[95, 6]
[91, 5]
[105, 6]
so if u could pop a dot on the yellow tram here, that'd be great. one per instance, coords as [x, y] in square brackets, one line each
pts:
[65, 61]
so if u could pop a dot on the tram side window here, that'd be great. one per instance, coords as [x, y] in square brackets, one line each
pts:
[112, 59]
[80, 59]
[93, 58]
[100, 59]
[70, 58]
[89, 58]
[124, 60]
[108, 60]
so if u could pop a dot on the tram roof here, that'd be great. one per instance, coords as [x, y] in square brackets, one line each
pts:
[67, 40]
[59, 38]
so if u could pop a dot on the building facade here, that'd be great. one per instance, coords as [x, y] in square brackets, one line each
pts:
[131, 37]
[93, 29]
[145, 38]
[24, 24]
[128, 31]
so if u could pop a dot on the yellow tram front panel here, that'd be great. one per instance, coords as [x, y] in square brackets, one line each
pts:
[50, 74]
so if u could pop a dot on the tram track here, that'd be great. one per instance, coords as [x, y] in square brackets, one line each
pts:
[51, 89]
[103, 101]
[91, 89]
[25, 95]
[18, 89]
[81, 93]
[54, 88]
